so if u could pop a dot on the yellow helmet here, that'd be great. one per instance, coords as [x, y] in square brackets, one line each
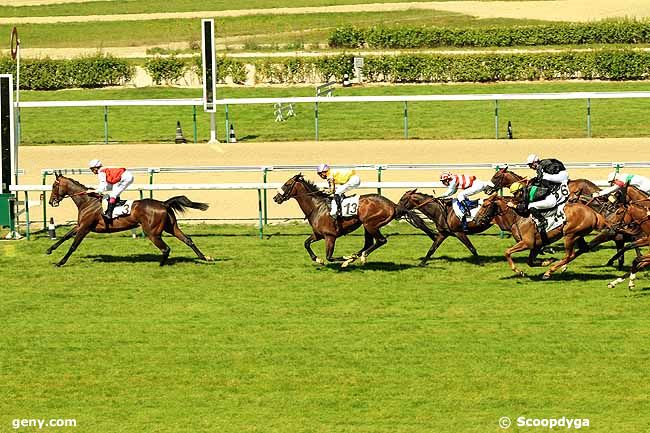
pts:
[517, 186]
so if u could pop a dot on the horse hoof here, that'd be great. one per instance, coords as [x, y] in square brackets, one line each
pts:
[363, 259]
[611, 286]
[48, 252]
[209, 259]
[546, 276]
[347, 263]
[319, 261]
[631, 286]
[563, 269]
[547, 262]
[422, 264]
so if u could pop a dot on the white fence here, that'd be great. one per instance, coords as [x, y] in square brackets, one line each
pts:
[404, 99]
[264, 186]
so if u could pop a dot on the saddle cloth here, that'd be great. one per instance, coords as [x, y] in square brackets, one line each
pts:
[349, 206]
[554, 218]
[472, 212]
[122, 208]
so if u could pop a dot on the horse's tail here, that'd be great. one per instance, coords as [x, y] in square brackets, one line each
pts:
[180, 203]
[414, 219]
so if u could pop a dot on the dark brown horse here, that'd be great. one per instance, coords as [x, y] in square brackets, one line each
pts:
[503, 178]
[639, 214]
[580, 221]
[154, 216]
[442, 214]
[374, 212]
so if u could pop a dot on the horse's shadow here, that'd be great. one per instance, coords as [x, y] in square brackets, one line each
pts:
[148, 258]
[560, 276]
[372, 266]
[482, 259]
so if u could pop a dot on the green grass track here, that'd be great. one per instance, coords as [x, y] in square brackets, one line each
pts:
[263, 340]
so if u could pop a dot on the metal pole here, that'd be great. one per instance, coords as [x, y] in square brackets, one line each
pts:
[266, 210]
[379, 179]
[589, 117]
[496, 119]
[44, 204]
[150, 183]
[316, 118]
[194, 121]
[213, 129]
[227, 126]
[105, 124]
[259, 212]
[27, 222]
[406, 121]
[18, 92]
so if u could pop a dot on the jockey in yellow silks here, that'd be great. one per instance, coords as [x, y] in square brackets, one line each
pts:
[339, 182]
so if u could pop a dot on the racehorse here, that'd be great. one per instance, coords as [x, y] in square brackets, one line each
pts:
[503, 178]
[374, 212]
[447, 222]
[153, 215]
[635, 212]
[580, 221]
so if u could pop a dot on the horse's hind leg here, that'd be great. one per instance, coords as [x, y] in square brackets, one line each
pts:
[367, 242]
[174, 230]
[162, 246]
[65, 237]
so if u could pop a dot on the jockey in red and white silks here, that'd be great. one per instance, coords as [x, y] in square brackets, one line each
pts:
[112, 181]
[468, 185]
[620, 180]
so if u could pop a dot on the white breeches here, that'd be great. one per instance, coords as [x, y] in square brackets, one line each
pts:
[476, 187]
[354, 182]
[116, 189]
[550, 201]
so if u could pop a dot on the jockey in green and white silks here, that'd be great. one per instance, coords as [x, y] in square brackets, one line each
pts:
[620, 180]
[553, 176]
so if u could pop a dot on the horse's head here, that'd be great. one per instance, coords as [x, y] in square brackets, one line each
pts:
[287, 191]
[408, 200]
[59, 189]
[503, 178]
[490, 208]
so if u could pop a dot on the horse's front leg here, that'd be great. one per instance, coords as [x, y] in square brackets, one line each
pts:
[569, 255]
[310, 240]
[79, 236]
[519, 246]
[65, 237]
[330, 242]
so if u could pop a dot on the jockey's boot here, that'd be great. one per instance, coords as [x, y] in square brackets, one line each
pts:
[541, 223]
[463, 222]
[109, 209]
[339, 213]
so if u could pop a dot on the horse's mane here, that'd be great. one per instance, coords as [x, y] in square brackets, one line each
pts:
[79, 184]
[313, 188]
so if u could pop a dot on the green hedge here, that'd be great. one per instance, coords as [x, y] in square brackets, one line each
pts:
[616, 65]
[602, 32]
[226, 67]
[84, 72]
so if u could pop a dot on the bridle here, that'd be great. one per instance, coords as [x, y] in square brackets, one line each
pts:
[59, 196]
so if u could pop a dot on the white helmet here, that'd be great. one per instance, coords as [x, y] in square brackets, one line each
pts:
[532, 158]
[323, 168]
[611, 177]
[95, 163]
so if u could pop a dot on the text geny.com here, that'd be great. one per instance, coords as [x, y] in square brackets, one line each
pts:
[40, 423]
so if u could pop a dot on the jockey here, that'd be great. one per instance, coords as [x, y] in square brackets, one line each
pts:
[621, 180]
[468, 185]
[552, 175]
[111, 180]
[339, 182]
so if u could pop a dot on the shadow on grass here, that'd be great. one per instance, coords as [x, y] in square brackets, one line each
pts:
[482, 259]
[371, 266]
[149, 258]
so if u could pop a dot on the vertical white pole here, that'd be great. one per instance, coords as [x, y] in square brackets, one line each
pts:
[213, 128]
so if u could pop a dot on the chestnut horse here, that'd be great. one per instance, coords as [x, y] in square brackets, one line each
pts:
[447, 222]
[503, 178]
[580, 221]
[638, 213]
[154, 216]
[374, 212]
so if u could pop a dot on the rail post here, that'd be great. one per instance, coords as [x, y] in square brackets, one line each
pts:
[406, 120]
[266, 210]
[194, 123]
[316, 119]
[27, 222]
[496, 119]
[227, 124]
[105, 124]
[151, 171]
[259, 213]
[589, 117]
[379, 169]
[44, 202]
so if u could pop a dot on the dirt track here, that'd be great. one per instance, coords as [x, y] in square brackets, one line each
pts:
[229, 204]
